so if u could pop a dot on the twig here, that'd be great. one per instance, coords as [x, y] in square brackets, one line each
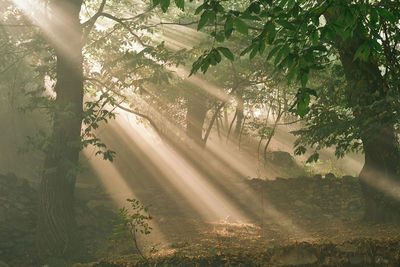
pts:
[152, 123]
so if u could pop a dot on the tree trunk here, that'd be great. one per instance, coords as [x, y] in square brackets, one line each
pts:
[196, 114]
[239, 118]
[382, 155]
[379, 179]
[56, 223]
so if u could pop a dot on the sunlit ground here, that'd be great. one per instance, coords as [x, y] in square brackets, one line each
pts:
[202, 189]
[198, 196]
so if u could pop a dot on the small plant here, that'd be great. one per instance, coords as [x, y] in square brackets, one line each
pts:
[131, 222]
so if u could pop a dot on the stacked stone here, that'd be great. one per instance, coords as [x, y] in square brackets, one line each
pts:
[18, 206]
[319, 197]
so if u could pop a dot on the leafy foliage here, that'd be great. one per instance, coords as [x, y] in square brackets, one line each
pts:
[304, 37]
[131, 222]
[95, 113]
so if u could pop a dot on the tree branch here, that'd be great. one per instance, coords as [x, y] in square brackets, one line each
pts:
[89, 24]
[152, 123]
[195, 22]
[291, 122]
[121, 21]
[219, 107]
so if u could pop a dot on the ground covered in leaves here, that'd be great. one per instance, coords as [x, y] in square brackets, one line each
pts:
[359, 252]
[302, 221]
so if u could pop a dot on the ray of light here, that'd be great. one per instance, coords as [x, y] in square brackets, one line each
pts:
[119, 190]
[52, 22]
[196, 190]
[225, 156]
[379, 180]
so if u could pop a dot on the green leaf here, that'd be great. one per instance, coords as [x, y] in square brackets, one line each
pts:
[282, 3]
[300, 150]
[241, 26]
[261, 46]
[270, 31]
[286, 24]
[196, 65]
[366, 53]
[228, 27]
[273, 52]
[220, 38]
[291, 74]
[301, 108]
[253, 53]
[164, 5]
[226, 52]
[321, 48]
[359, 52]
[282, 53]
[246, 50]
[312, 92]
[387, 15]
[291, 3]
[217, 56]
[205, 17]
[304, 79]
[254, 8]
[249, 17]
[199, 9]
[180, 4]
[313, 157]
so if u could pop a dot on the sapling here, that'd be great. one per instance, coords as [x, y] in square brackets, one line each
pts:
[133, 221]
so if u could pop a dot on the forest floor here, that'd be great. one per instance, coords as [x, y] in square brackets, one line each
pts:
[299, 221]
[206, 212]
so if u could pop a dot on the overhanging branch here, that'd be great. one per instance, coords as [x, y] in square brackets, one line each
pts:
[144, 116]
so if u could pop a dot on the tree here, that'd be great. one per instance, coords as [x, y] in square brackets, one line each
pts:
[56, 214]
[83, 65]
[304, 37]
[20, 79]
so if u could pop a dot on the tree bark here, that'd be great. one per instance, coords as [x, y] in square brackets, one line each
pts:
[56, 223]
[240, 115]
[196, 114]
[380, 181]
[382, 154]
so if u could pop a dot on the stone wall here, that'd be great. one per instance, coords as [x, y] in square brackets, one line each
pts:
[18, 206]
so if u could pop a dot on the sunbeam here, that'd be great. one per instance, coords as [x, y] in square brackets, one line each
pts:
[52, 21]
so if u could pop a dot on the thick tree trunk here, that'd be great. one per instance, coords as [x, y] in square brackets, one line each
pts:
[56, 214]
[382, 155]
[379, 178]
[196, 114]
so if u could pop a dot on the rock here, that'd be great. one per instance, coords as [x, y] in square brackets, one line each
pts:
[330, 176]
[294, 257]
[56, 262]
[357, 260]
[299, 203]
[230, 219]
[317, 177]
[347, 248]
[18, 211]
[348, 178]
[382, 261]
[2, 215]
[282, 159]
